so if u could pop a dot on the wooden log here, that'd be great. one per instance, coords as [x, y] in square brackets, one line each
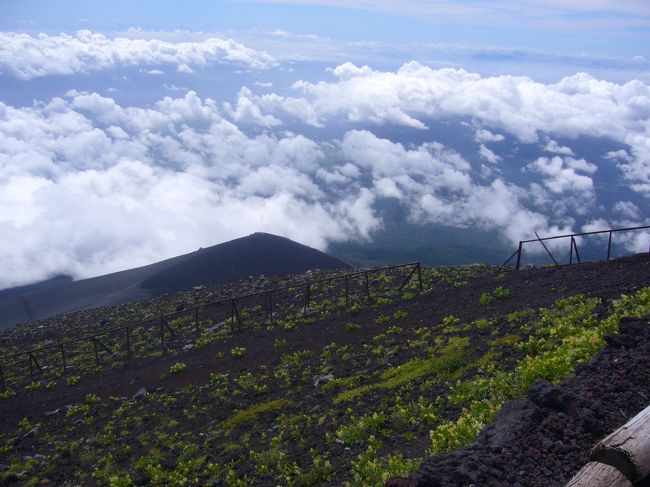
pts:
[627, 448]
[599, 475]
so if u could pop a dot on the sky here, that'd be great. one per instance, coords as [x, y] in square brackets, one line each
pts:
[135, 131]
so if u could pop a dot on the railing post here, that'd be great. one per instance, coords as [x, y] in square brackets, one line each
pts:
[307, 298]
[128, 342]
[571, 244]
[234, 315]
[575, 246]
[519, 256]
[31, 370]
[609, 245]
[162, 335]
[94, 340]
[367, 285]
[63, 358]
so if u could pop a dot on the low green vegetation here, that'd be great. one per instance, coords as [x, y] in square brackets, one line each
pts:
[339, 414]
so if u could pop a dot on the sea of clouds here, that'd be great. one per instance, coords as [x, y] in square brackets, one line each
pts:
[88, 186]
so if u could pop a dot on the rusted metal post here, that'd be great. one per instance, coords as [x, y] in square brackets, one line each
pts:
[519, 256]
[307, 298]
[63, 358]
[367, 285]
[609, 246]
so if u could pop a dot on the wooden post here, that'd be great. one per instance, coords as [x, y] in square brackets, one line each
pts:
[627, 448]
[367, 285]
[94, 340]
[575, 246]
[162, 335]
[32, 359]
[128, 342]
[234, 315]
[598, 475]
[307, 298]
[519, 256]
[63, 358]
[609, 246]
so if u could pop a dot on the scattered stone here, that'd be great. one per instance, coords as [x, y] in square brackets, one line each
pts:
[395, 481]
[140, 478]
[323, 379]
[546, 395]
[516, 418]
[187, 347]
[31, 432]
[142, 392]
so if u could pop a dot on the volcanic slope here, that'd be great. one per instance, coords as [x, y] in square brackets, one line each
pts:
[259, 253]
[351, 395]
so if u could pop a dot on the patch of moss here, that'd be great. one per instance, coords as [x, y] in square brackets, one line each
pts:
[253, 412]
[451, 362]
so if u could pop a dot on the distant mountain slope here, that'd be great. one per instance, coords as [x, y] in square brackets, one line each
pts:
[256, 254]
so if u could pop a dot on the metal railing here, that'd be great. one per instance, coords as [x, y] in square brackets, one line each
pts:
[166, 332]
[573, 248]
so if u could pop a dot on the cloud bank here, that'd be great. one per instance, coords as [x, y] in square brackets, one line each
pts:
[578, 105]
[88, 186]
[27, 57]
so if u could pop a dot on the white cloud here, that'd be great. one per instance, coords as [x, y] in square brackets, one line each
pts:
[88, 186]
[435, 184]
[248, 112]
[483, 135]
[561, 174]
[555, 148]
[488, 155]
[578, 105]
[627, 209]
[28, 57]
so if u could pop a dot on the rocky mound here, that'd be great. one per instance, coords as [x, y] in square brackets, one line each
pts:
[545, 438]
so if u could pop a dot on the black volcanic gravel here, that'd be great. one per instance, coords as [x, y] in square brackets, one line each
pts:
[543, 440]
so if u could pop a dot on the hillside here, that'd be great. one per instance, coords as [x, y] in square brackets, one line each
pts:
[334, 395]
[257, 254]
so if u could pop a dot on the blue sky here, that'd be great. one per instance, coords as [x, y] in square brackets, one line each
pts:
[599, 27]
[121, 122]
